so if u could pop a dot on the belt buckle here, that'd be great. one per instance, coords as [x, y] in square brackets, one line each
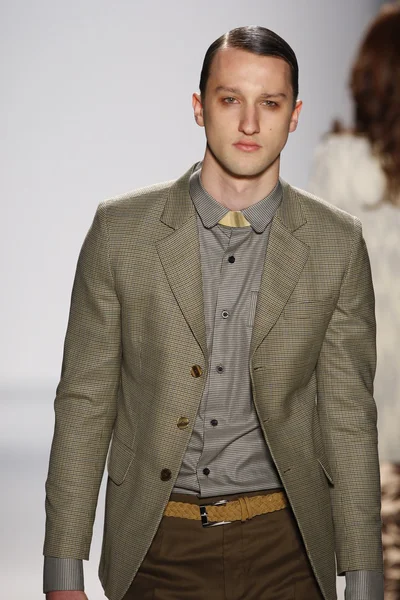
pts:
[204, 517]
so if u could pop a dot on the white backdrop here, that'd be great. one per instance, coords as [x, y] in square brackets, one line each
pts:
[95, 100]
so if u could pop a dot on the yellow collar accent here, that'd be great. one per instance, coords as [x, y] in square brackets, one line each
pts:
[234, 218]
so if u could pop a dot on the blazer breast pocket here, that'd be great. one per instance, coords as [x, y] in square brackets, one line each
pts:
[308, 309]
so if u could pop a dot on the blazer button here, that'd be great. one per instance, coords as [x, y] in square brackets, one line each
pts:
[165, 475]
[183, 422]
[196, 371]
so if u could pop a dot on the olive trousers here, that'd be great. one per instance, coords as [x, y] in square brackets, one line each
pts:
[259, 559]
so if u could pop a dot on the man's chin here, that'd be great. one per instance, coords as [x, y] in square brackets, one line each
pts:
[246, 171]
[246, 167]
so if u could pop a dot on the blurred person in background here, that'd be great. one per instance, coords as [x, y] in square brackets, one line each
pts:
[358, 170]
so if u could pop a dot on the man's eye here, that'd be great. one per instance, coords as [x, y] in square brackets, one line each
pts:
[270, 103]
[229, 100]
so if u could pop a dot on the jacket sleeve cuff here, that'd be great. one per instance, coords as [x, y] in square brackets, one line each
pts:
[62, 574]
[364, 585]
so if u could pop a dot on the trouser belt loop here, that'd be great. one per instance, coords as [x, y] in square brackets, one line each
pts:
[245, 509]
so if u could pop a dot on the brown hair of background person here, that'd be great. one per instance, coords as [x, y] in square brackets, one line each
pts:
[256, 40]
[375, 87]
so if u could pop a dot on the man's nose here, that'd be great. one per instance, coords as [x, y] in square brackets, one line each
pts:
[249, 121]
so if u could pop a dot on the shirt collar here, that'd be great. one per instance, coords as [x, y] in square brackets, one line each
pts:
[210, 211]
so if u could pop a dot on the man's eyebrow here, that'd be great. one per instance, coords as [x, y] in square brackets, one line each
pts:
[277, 95]
[222, 88]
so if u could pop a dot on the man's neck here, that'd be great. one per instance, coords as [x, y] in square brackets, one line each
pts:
[237, 193]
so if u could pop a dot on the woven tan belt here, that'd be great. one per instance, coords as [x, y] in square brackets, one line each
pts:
[224, 511]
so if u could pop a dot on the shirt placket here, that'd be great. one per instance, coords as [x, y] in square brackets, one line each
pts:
[215, 413]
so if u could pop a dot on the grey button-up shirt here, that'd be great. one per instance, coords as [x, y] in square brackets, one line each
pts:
[227, 452]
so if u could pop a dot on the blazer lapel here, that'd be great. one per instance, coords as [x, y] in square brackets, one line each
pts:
[179, 253]
[285, 260]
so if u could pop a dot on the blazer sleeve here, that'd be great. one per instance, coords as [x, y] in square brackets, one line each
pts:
[348, 416]
[86, 399]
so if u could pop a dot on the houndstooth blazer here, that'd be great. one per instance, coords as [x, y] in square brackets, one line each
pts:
[135, 362]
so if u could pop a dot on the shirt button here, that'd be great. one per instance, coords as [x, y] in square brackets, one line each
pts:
[231, 259]
[225, 314]
[206, 471]
[165, 475]
[196, 371]
[214, 422]
[220, 368]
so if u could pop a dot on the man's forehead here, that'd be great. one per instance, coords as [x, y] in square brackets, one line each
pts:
[229, 61]
[229, 54]
[235, 78]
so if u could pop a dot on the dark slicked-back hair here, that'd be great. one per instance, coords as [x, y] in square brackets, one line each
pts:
[257, 40]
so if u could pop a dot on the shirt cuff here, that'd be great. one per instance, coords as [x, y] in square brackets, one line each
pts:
[62, 574]
[364, 585]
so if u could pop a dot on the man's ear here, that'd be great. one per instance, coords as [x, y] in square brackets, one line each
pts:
[198, 109]
[295, 116]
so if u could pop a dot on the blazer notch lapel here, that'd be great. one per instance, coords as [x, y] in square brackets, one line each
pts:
[285, 260]
[290, 211]
[179, 207]
[179, 254]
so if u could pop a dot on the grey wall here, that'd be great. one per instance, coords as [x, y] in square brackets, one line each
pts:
[95, 100]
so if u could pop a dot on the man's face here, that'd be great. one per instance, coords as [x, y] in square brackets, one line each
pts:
[247, 111]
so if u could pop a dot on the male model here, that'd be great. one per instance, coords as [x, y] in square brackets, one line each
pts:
[222, 338]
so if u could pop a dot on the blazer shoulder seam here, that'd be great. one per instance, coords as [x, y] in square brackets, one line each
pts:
[136, 194]
[356, 226]
[102, 211]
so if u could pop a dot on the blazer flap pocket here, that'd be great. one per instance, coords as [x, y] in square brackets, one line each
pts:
[119, 461]
[306, 309]
[326, 469]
